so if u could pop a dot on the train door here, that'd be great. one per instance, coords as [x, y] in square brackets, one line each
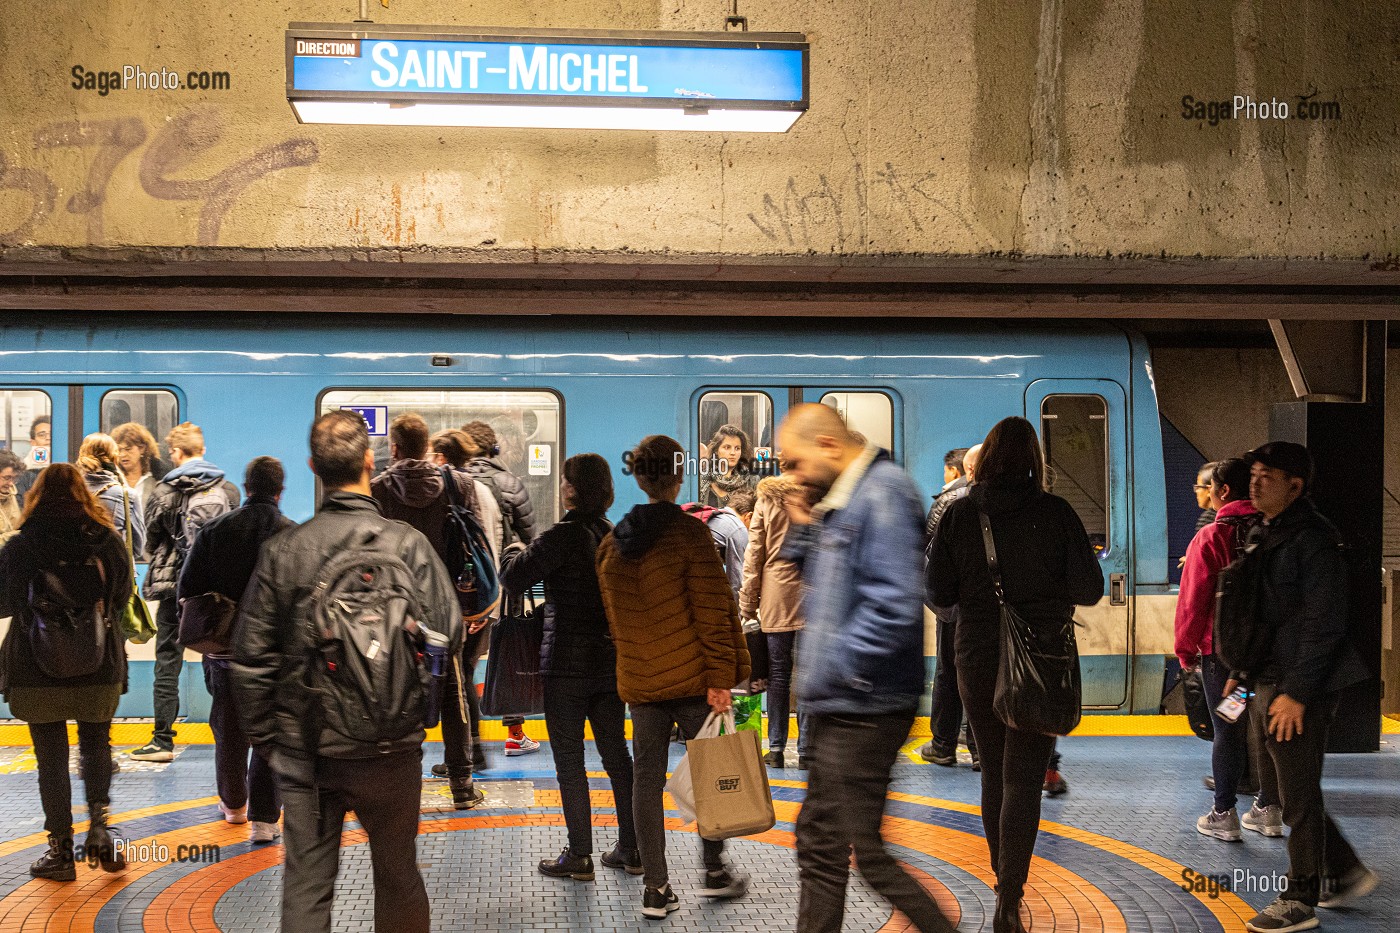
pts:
[34, 424]
[1083, 425]
[755, 411]
[872, 412]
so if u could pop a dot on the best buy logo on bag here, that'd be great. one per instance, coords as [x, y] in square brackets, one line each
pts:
[727, 785]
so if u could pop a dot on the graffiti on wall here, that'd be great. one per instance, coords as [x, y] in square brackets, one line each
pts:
[179, 143]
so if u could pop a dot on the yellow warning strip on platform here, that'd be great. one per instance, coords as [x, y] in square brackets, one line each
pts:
[135, 734]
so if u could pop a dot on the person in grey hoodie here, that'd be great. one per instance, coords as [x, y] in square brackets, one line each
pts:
[191, 494]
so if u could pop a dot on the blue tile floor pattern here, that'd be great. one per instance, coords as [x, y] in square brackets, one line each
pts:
[1143, 791]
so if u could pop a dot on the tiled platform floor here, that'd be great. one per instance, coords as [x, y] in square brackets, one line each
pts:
[1110, 855]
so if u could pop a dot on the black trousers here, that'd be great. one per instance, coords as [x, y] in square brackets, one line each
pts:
[51, 754]
[384, 792]
[170, 658]
[651, 748]
[241, 772]
[947, 713]
[472, 653]
[852, 757]
[569, 702]
[1013, 774]
[459, 726]
[1318, 853]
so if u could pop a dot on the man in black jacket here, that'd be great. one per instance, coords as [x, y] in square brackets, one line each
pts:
[517, 524]
[221, 561]
[1302, 599]
[166, 547]
[946, 714]
[325, 774]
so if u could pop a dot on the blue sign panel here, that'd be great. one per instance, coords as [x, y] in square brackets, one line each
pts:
[505, 68]
[376, 416]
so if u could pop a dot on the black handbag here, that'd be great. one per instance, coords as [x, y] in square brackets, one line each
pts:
[206, 623]
[514, 685]
[1193, 696]
[1038, 685]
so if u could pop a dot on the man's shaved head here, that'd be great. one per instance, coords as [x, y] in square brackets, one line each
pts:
[809, 421]
[970, 460]
[816, 446]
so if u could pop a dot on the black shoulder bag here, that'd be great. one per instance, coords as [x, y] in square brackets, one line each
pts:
[1038, 684]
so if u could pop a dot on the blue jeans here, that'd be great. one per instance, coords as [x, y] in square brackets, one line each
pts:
[1229, 751]
[782, 652]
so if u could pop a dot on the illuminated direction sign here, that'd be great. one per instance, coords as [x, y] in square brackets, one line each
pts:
[428, 76]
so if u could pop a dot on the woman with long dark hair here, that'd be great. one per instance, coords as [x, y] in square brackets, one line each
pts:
[1047, 567]
[66, 560]
[731, 445]
[579, 664]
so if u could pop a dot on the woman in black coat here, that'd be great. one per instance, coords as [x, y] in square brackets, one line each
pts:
[66, 549]
[579, 664]
[1047, 568]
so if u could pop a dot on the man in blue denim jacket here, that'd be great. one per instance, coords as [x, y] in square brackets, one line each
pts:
[860, 666]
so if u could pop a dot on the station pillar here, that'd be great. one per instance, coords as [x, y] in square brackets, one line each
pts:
[1337, 369]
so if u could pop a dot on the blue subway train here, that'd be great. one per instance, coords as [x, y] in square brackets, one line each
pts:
[556, 386]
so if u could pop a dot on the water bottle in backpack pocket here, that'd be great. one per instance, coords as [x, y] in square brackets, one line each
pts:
[470, 560]
[67, 618]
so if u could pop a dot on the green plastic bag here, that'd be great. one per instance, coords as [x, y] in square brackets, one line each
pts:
[748, 713]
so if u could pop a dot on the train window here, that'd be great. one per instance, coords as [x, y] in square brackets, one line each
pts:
[156, 410]
[751, 412]
[26, 428]
[1075, 431]
[529, 428]
[870, 413]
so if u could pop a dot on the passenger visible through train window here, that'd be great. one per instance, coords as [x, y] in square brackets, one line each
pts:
[736, 426]
[870, 413]
[529, 428]
[26, 429]
[1075, 431]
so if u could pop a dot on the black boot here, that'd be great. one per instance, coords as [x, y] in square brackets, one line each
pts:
[57, 863]
[1007, 919]
[465, 794]
[98, 847]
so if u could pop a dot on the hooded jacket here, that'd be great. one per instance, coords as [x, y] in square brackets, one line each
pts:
[1303, 597]
[577, 642]
[412, 491]
[273, 640]
[119, 502]
[1047, 566]
[731, 538]
[772, 589]
[46, 539]
[670, 607]
[162, 515]
[513, 500]
[1209, 552]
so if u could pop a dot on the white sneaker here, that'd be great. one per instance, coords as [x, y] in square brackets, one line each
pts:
[1220, 825]
[521, 746]
[1267, 821]
[233, 815]
[262, 832]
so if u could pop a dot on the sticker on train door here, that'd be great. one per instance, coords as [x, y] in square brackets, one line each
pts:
[539, 459]
[376, 417]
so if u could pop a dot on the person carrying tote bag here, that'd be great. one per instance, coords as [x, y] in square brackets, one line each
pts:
[1016, 580]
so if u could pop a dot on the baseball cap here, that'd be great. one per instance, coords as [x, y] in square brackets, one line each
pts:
[1291, 458]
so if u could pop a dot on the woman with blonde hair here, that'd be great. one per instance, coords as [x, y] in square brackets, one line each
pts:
[66, 564]
[97, 459]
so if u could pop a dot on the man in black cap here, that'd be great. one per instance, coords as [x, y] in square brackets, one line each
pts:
[1301, 598]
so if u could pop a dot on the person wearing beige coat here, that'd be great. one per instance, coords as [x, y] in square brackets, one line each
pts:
[772, 593]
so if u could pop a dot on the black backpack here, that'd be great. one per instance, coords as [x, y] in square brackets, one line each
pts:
[469, 558]
[68, 618]
[369, 669]
[1239, 640]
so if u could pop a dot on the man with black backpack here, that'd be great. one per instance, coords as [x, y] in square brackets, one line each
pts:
[415, 491]
[190, 496]
[343, 626]
[1281, 625]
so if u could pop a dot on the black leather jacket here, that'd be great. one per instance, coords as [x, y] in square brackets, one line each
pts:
[1303, 596]
[273, 639]
[517, 514]
[577, 642]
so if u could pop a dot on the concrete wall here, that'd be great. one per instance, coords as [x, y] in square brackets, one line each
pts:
[937, 127]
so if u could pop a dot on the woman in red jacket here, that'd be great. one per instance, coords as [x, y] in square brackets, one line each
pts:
[1214, 546]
